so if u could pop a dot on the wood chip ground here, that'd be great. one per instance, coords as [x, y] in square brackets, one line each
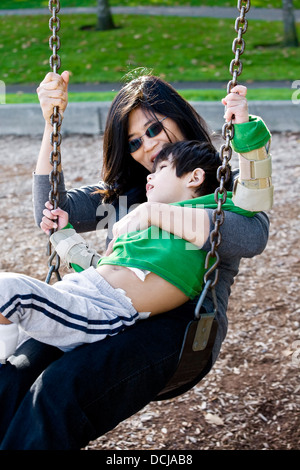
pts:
[250, 400]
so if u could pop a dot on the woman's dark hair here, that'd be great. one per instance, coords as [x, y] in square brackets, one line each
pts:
[120, 171]
[185, 156]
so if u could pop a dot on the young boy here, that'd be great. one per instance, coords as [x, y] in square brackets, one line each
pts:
[162, 256]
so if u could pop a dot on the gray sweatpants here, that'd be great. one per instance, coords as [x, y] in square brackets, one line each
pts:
[82, 308]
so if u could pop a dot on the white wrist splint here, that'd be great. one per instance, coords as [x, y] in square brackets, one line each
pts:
[72, 248]
[253, 190]
[9, 335]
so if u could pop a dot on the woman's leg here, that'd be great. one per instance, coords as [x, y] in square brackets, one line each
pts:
[90, 390]
[18, 374]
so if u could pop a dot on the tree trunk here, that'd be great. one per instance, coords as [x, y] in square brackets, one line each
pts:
[290, 32]
[104, 17]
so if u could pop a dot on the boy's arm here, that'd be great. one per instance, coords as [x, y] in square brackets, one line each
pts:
[184, 222]
[242, 237]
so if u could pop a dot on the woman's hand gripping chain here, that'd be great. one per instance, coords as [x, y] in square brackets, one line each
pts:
[236, 105]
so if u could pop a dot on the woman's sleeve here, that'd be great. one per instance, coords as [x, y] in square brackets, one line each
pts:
[84, 205]
[81, 204]
[250, 135]
[242, 237]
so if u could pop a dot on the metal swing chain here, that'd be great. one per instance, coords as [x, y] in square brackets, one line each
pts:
[55, 137]
[200, 334]
[223, 172]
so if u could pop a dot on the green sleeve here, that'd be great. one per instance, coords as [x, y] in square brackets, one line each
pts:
[68, 226]
[250, 135]
[77, 268]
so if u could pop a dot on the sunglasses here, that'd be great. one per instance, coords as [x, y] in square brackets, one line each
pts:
[152, 131]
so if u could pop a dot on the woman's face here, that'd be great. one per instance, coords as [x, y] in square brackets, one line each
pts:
[138, 123]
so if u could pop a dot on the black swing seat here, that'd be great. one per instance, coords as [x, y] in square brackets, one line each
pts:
[196, 352]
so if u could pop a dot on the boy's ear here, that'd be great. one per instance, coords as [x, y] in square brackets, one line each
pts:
[196, 178]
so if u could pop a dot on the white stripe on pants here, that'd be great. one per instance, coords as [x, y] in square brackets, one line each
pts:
[82, 308]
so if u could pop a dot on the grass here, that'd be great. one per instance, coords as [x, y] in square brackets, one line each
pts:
[13, 4]
[177, 49]
[191, 95]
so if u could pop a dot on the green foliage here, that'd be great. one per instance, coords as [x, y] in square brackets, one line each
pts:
[260, 94]
[178, 49]
[7, 4]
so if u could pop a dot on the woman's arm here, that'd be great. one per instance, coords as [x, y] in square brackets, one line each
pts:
[52, 92]
[81, 204]
[84, 204]
[242, 237]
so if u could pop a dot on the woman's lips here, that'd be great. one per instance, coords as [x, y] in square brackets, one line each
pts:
[153, 157]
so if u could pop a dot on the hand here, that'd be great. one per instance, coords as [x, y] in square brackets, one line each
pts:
[137, 219]
[53, 91]
[236, 105]
[53, 218]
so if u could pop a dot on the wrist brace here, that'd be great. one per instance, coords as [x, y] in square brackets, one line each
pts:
[73, 249]
[253, 190]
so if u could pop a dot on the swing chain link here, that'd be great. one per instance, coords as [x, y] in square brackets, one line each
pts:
[55, 137]
[223, 172]
[54, 40]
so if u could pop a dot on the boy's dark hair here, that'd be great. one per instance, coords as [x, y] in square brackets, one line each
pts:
[185, 156]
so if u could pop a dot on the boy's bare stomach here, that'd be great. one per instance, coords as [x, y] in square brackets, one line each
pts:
[154, 294]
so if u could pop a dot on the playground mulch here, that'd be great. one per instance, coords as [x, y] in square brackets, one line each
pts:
[250, 400]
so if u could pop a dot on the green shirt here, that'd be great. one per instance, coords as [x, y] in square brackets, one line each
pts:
[174, 259]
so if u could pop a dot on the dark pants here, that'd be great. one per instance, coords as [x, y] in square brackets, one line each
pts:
[50, 400]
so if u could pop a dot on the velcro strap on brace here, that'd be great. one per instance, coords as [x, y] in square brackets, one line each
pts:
[255, 169]
[72, 248]
[254, 200]
[64, 246]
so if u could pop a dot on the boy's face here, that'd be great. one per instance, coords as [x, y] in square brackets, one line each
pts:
[164, 186]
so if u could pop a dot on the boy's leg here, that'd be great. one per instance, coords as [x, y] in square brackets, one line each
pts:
[30, 303]
[79, 309]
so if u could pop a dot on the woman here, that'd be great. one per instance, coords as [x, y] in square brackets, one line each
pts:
[86, 392]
